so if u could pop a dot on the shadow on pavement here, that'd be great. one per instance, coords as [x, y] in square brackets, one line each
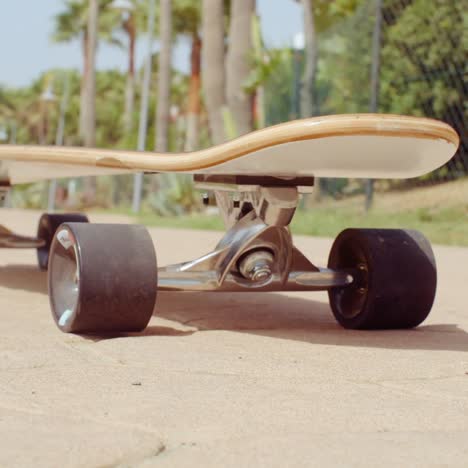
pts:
[268, 314]
[24, 277]
[296, 318]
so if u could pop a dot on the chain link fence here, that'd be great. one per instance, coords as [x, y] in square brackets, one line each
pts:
[423, 72]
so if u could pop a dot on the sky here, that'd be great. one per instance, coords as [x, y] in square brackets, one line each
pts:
[26, 49]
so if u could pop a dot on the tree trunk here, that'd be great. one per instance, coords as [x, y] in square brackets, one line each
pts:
[213, 66]
[238, 64]
[375, 85]
[90, 96]
[130, 86]
[308, 106]
[129, 26]
[164, 76]
[90, 77]
[82, 125]
[193, 110]
[308, 102]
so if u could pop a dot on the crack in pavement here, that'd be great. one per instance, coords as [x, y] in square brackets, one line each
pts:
[134, 460]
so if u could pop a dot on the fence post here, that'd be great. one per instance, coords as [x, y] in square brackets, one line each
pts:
[375, 84]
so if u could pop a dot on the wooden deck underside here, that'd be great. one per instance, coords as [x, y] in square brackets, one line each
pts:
[356, 145]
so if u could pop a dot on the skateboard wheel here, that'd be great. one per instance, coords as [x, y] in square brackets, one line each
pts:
[46, 228]
[102, 278]
[395, 278]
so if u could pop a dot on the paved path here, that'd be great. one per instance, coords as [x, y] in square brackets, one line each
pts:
[230, 380]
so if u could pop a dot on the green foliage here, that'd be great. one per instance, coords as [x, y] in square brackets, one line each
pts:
[110, 86]
[279, 87]
[265, 62]
[343, 79]
[71, 23]
[422, 59]
[26, 108]
[443, 226]
[421, 63]
[337, 57]
[327, 13]
[31, 196]
[186, 17]
[175, 197]
[445, 223]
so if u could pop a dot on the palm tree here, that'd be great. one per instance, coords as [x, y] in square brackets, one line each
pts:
[238, 65]
[187, 22]
[89, 100]
[24, 107]
[69, 25]
[194, 104]
[129, 27]
[213, 66]
[72, 24]
[89, 120]
[308, 101]
[164, 76]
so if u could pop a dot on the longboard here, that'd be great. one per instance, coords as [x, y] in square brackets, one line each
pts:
[103, 278]
[355, 145]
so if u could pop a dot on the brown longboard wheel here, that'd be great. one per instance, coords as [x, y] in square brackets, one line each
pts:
[102, 278]
[394, 278]
[46, 228]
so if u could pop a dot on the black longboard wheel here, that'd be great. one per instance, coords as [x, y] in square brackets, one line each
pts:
[46, 228]
[395, 278]
[102, 278]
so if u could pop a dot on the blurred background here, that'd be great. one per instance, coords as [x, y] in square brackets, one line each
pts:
[182, 75]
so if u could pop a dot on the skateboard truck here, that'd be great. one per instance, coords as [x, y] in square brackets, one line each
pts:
[104, 277]
[11, 240]
[257, 252]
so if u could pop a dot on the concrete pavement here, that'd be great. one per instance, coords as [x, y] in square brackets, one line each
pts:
[230, 379]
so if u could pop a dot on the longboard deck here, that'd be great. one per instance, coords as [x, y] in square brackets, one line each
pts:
[355, 145]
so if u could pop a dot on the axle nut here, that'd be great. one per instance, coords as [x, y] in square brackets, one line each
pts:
[257, 266]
